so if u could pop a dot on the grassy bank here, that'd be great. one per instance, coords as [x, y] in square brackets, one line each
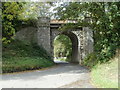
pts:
[21, 56]
[106, 75]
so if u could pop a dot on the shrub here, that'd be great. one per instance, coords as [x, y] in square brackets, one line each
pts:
[91, 60]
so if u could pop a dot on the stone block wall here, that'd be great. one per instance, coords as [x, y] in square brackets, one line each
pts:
[43, 33]
[28, 34]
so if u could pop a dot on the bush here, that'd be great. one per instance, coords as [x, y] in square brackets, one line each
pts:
[98, 57]
[91, 60]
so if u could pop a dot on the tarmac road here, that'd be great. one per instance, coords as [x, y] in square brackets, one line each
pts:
[63, 75]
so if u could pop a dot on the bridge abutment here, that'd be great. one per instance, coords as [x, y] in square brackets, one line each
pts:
[43, 33]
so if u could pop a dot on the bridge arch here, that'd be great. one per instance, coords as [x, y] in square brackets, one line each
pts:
[74, 41]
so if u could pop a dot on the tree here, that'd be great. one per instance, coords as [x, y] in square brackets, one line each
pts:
[10, 19]
[36, 9]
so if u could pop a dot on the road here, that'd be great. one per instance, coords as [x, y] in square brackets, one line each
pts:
[63, 75]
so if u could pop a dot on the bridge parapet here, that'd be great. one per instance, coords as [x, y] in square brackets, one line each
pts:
[43, 22]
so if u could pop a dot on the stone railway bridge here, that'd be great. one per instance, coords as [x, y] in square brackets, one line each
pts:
[46, 31]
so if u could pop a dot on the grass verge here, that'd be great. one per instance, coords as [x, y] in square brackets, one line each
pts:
[106, 75]
[21, 56]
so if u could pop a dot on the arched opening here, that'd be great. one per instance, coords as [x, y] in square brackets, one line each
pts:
[62, 48]
[66, 47]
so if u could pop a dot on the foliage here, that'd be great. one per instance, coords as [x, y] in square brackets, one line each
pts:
[21, 56]
[91, 60]
[102, 17]
[10, 20]
[33, 10]
[62, 46]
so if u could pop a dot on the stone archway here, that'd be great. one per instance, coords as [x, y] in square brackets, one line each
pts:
[82, 38]
[74, 40]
